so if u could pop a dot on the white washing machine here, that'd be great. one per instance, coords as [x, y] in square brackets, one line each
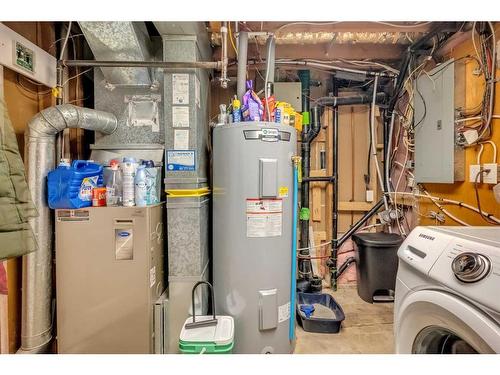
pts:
[448, 291]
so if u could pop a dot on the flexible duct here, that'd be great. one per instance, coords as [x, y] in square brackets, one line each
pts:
[36, 324]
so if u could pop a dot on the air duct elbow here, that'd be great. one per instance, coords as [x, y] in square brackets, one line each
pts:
[53, 120]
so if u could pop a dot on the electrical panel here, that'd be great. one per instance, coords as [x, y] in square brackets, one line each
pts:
[437, 158]
[290, 92]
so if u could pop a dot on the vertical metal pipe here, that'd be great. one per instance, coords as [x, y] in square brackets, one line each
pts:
[224, 59]
[242, 63]
[271, 54]
[59, 100]
[335, 198]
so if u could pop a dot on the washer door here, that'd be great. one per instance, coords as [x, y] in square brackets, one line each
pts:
[439, 323]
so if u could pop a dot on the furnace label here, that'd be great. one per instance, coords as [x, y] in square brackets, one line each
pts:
[264, 217]
[180, 88]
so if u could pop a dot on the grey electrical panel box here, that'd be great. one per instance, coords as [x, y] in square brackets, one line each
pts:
[289, 92]
[437, 158]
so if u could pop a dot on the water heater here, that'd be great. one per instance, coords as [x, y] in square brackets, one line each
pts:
[252, 232]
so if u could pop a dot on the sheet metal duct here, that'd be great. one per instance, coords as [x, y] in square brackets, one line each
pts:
[36, 325]
[120, 41]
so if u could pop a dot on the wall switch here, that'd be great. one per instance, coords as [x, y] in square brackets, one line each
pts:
[490, 177]
[473, 171]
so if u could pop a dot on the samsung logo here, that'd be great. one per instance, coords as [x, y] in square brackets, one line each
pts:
[427, 237]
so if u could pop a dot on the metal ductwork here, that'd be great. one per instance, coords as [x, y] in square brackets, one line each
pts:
[120, 41]
[36, 330]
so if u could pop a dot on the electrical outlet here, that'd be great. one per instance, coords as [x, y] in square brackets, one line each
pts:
[369, 195]
[473, 171]
[411, 182]
[490, 177]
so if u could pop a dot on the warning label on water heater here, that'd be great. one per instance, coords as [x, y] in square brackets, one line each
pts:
[264, 217]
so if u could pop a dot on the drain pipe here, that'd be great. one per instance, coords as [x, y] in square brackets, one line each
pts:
[305, 267]
[242, 63]
[36, 323]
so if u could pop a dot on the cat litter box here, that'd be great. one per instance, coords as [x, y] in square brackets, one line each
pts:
[319, 313]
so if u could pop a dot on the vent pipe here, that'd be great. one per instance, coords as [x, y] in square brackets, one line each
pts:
[37, 319]
[242, 63]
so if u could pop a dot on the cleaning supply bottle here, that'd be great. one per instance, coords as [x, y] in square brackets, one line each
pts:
[153, 184]
[141, 187]
[128, 167]
[236, 109]
[223, 118]
[113, 183]
[269, 103]
[252, 109]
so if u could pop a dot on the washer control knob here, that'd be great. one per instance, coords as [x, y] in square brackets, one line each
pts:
[470, 267]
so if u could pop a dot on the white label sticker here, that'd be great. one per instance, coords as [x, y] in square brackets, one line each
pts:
[181, 160]
[152, 276]
[197, 91]
[181, 139]
[264, 217]
[180, 117]
[284, 312]
[180, 88]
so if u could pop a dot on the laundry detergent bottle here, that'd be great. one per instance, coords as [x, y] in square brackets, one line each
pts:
[70, 186]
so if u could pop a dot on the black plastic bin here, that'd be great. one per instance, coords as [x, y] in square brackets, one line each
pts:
[377, 265]
[319, 324]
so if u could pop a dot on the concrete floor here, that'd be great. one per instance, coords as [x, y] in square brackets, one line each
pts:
[367, 328]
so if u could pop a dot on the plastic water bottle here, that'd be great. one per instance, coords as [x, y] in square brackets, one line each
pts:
[129, 167]
[113, 182]
[141, 187]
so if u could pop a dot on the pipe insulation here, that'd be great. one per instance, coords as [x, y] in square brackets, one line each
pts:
[242, 63]
[36, 323]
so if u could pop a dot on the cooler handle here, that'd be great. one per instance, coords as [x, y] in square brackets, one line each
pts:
[210, 322]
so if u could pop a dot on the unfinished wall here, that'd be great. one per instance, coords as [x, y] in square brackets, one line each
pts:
[464, 191]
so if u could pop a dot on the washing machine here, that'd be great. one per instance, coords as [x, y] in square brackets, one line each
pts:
[448, 291]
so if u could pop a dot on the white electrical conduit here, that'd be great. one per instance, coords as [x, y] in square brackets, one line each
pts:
[435, 200]
[374, 145]
[63, 48]
[388, 153]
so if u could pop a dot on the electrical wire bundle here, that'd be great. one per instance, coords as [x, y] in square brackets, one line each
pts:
[479, 117]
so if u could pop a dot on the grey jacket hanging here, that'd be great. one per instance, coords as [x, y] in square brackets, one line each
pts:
[16, 206]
